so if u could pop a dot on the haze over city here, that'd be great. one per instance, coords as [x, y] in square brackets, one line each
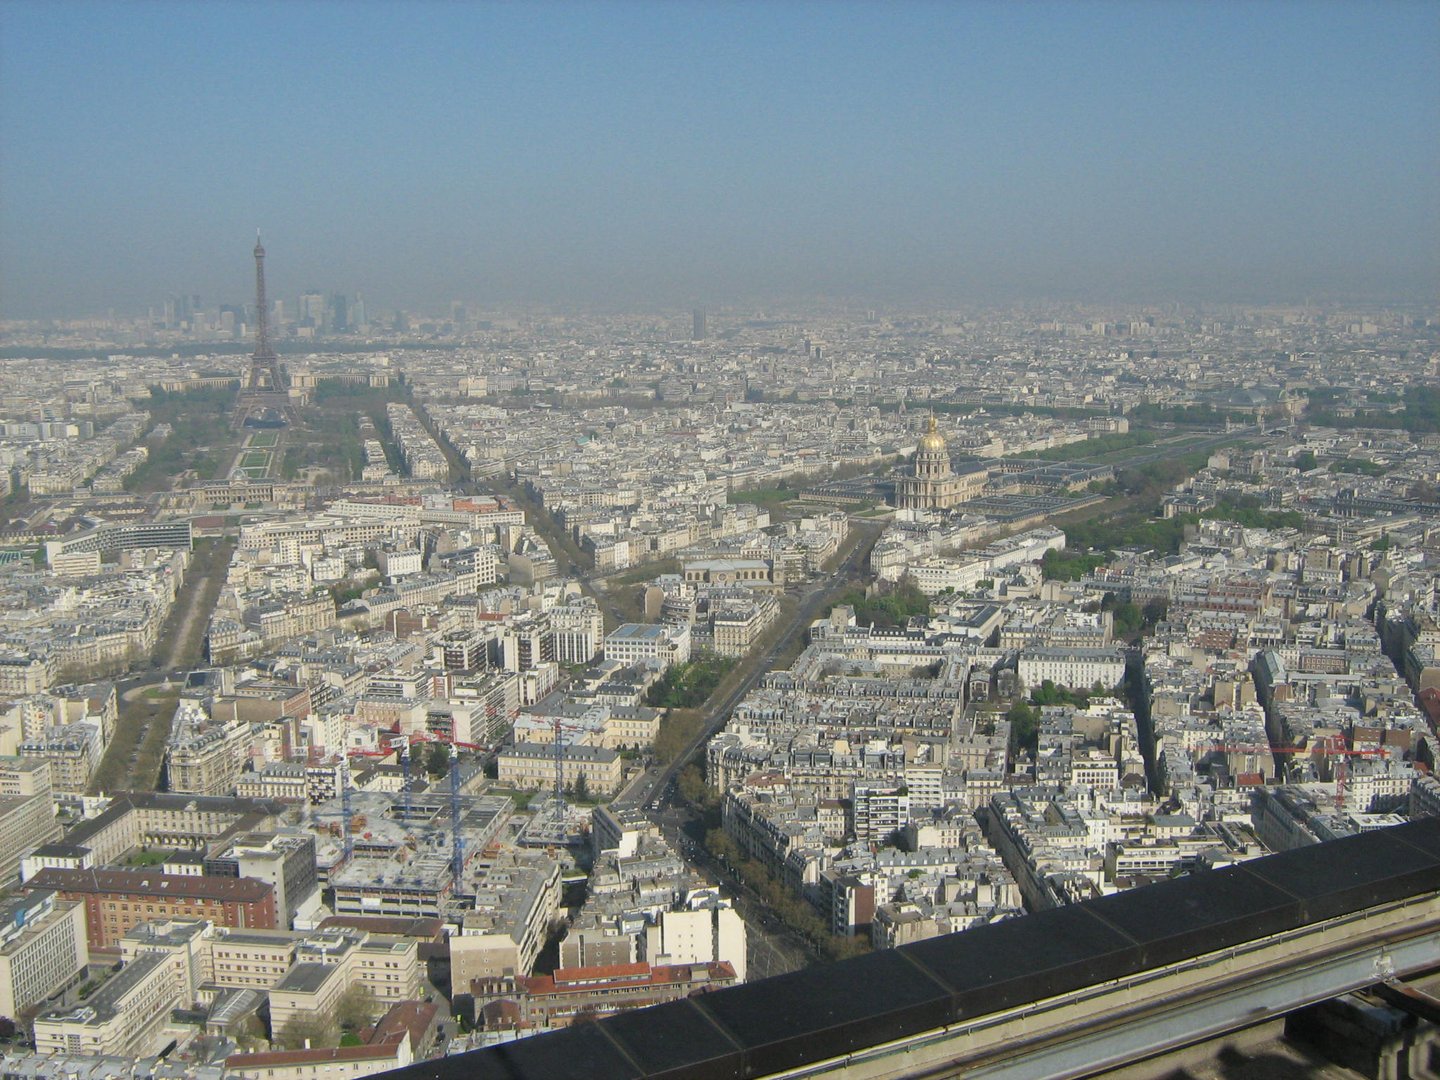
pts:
[673, 541]
[654, 155]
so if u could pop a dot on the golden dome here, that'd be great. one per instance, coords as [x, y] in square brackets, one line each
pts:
[932, 442]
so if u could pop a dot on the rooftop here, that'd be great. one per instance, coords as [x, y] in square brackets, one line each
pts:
[149, 883]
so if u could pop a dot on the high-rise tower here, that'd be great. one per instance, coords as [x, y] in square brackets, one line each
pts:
[263, 399]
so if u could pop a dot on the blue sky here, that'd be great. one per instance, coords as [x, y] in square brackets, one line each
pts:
[674, 154]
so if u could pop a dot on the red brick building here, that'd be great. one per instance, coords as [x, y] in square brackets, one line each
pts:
[544, 1001]
[116, 900]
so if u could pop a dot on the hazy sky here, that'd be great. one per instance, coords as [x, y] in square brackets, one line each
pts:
[674, 154]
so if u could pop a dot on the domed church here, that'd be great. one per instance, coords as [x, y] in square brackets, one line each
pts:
[931, 483]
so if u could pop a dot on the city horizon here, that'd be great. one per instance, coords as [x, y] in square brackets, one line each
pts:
[872, 308]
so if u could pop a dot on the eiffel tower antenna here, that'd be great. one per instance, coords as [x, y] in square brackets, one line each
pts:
[263, 351]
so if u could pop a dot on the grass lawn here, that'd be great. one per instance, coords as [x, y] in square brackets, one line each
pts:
[520, 798]
[761, 495]
[647, 571]
[771, 499]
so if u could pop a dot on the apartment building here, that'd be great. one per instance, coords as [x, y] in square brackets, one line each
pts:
[1077, 667]
[72, 751]
[664, 645]
[329, 962]
[704, 934]
[253, 959]
[285, 860]
[205, 756]
[42, 949]
[27, 813]
[514, 904]
[163, 969]
[531, 765]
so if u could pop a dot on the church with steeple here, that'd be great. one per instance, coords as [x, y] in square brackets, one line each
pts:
[930, 483]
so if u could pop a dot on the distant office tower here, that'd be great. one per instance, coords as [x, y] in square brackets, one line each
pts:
[312, 310]
[697, 329]
[357, 314]
[339, 314]
[187, 307]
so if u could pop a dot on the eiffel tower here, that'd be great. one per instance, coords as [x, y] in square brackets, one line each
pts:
[263, 400]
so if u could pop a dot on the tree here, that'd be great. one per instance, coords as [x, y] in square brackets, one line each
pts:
[719, 844]
[1127, 618]
[693, 787]
[1154, 611]
[437, 760]
[1064, 565]
[250, 1036]
[1024, 727]
[582, 789]
[356, 1007]
[1423, 491]
[313, 1028]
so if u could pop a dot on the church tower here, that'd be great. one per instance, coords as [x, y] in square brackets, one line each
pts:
[930, 483]
[932, 458]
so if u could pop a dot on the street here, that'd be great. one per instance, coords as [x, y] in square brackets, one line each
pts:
[818, 596]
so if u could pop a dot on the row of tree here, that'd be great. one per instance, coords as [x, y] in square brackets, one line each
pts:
[790, 908]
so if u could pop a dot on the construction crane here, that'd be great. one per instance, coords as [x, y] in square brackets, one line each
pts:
[405, 778]
[346, 810]
[561, 727]
[457, 851]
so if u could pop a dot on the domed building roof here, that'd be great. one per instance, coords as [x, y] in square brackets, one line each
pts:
[932, 442]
